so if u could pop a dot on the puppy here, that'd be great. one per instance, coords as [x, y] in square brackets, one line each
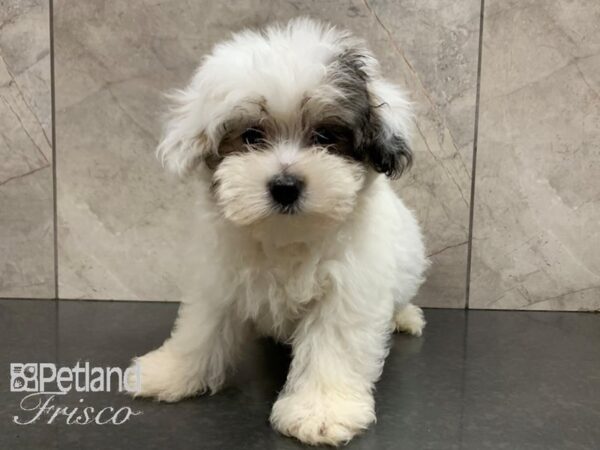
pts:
[294, 136]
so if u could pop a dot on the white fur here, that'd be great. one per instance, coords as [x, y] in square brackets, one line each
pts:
[333, 280]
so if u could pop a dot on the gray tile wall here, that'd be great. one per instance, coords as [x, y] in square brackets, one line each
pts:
[536, 241]
[537, 199]
[26, 219]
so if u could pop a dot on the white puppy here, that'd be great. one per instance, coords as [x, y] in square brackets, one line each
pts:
[294, 135]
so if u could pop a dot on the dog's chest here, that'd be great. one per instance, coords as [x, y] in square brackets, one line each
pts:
[278, 290]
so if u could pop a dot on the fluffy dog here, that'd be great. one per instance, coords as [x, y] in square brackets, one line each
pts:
[294, 135]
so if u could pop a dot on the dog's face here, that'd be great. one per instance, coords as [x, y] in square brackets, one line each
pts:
[289, 125]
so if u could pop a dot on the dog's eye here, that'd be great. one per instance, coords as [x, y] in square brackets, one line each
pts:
[324, 136]
[253, 136]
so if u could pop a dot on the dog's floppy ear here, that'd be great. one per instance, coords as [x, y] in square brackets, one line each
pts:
[386, 143]
[183, 146]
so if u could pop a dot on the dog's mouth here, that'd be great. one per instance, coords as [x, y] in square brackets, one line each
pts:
[288, 210]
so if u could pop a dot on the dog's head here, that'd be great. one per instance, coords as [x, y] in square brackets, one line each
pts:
[289, 124]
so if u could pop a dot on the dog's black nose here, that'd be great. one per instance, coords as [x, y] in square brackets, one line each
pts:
[285, 189]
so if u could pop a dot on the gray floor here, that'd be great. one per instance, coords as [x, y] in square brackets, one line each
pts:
[475, 380]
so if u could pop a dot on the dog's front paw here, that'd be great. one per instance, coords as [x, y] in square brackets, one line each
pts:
[164, 375]
[317, 418]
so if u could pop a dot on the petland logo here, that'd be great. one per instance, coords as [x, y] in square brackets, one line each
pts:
[43, 382]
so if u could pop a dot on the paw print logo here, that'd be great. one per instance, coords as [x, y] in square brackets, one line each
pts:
[23, 377]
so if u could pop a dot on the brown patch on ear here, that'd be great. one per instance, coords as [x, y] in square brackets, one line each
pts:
[391, 155]
[212, 161]
[200, 142]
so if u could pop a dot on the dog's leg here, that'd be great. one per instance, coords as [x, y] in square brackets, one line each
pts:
[195, 358]
[337, 357]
